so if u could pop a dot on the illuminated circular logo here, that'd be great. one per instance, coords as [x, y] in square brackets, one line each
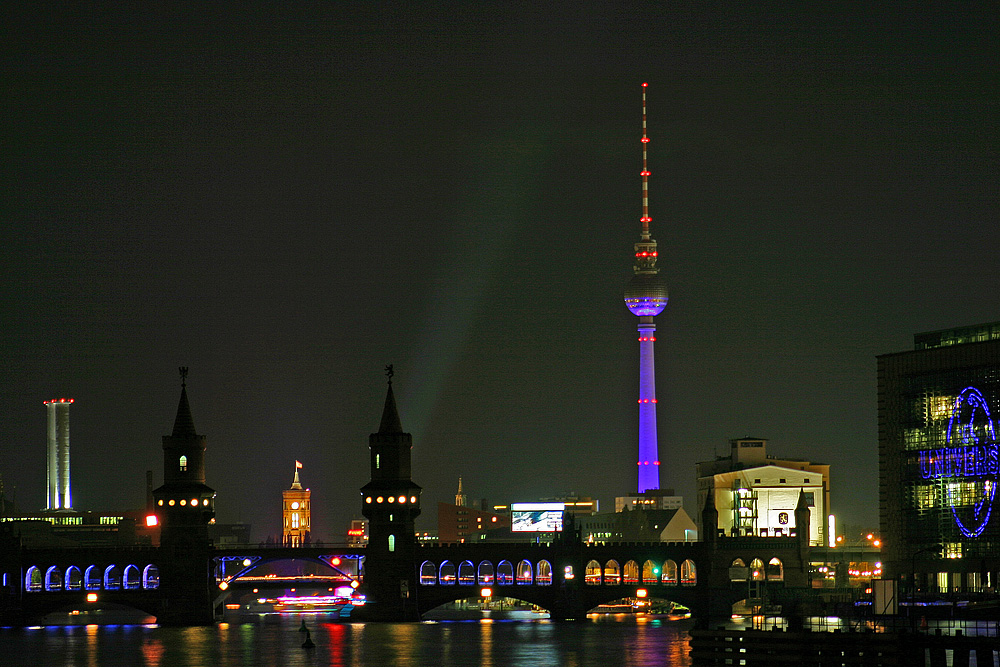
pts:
[969, 462]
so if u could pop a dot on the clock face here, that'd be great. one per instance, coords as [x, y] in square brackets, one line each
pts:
[295, 505]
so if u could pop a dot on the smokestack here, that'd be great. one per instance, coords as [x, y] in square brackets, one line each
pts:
[58, 454]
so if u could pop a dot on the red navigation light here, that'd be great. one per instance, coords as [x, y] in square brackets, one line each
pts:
[645, 140]
[644, 85]
[336, 560]
[644, 173]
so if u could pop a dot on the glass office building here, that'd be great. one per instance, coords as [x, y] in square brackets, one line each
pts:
[938, 460]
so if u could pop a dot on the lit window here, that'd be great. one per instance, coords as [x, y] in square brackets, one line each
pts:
[171, 502]
[295, 519]
[368, 500]
[413, 499]
[379, 499]
[392, 543]
[194, 502]
[392, 499]
[402, 499]
[160, 502]
[184, 464]
[376, 461]
[183, 502]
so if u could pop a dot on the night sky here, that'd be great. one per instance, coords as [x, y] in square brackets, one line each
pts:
[286, 201]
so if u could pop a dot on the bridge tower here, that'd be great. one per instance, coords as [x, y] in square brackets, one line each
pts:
[390, 502]
[185, 506]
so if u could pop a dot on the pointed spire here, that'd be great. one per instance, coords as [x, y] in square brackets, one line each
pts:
[184, 423]
[460, 497]
[296, 484]
[390, 416]
[803, 503]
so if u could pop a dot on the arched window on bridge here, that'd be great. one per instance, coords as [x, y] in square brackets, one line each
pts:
[592, 575]
[757, 569]
[505, 573]
[466, 573]
[446, 573]
[543, 573]
[775, 570]
[151, 577]
[112, 578]
[428, 573]
[738, 570]
[630, 573]
[650, 573]
[689, 576]
[53, 579]
[486, 573]
[33, 579]
[612, 573]
[524, 573]
[74, 580]
[669, 573]
[182, 464]
[92, 578]
[130, 581]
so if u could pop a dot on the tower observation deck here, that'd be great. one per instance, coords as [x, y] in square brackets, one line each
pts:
[646, 297]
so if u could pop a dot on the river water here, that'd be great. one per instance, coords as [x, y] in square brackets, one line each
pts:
[517, 640]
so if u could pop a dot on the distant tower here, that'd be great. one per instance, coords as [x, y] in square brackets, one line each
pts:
[646, 297]
[296, 510]
[58, 454]
[390, 501]
[184, 501]
[460, 497]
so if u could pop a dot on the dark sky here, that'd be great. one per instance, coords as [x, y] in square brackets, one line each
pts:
[286, 201]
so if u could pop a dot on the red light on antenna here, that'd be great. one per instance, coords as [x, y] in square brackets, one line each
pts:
[644, 173]
[644, 85]
[645, 140]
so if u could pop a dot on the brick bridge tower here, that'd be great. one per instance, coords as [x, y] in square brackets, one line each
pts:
[185, 506]
[390, 502]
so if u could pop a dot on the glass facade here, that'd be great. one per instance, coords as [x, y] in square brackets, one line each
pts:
[938, 459]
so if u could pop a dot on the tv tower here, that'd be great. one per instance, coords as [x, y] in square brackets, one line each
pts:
[646, 297]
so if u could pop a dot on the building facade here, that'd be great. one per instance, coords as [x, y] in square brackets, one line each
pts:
[756, 494]
[938, 460]
[57, 462]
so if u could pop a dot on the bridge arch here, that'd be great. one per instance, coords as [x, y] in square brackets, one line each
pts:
[757, 570]
[775, 570]
[650, 572]
[53, 579]
[485, 573]
[466, 573]
[92, 578]
[669, 573]
[612, 573]
[446, 573]
[524, 574]
[689, 573]
[74, 579]
[33, 579]
[151, 577]
[130, 579]
[505, 573]
[592, 573]
[112, 578]
[428, 573]
[543, 573]
[630, 572]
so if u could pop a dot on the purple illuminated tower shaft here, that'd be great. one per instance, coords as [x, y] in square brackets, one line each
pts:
[646, 297]
[649, 458]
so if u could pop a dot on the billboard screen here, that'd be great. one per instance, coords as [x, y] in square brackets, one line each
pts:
[536, 517]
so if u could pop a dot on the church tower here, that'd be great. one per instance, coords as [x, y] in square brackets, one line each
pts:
[390, 501]
[296, 513]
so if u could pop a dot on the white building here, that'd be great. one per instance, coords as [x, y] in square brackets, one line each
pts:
[756, 494]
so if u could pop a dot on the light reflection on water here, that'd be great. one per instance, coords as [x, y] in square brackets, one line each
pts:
[597, 642]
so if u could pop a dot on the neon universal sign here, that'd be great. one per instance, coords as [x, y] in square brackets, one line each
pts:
[970, 455]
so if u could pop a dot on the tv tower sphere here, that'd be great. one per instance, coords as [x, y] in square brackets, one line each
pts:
[646, 294]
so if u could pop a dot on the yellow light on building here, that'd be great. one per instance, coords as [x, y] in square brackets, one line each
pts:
[641, 593]
[486, 592]
[91, 597]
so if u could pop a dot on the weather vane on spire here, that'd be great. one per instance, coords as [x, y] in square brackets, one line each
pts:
[184, 374]
[389, 373]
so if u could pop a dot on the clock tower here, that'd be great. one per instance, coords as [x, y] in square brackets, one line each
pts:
[296, 510]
